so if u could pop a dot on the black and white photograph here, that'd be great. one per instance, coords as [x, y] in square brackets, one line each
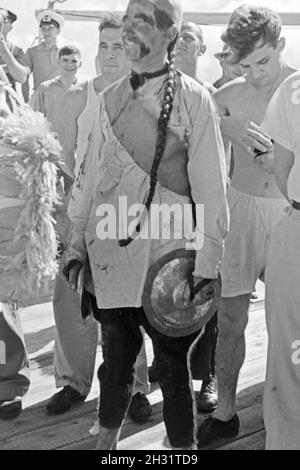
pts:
[149, 227]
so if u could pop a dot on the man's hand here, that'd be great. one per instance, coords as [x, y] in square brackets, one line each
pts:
[246, 134]
[71, 273]
[206, 292]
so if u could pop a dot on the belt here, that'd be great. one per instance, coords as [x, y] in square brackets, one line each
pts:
[296, 205]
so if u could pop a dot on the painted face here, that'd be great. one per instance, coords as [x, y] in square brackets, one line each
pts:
[69, 64]
[49, 32]
[142, 38]
[261, 65]
[188, 43]
[111, 53]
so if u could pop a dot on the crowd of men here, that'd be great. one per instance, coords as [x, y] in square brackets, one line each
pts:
[146, 127]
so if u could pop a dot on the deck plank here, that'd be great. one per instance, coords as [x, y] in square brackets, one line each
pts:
[35, 430]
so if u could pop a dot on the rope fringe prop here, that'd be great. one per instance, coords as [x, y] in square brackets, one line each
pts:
[31, 149]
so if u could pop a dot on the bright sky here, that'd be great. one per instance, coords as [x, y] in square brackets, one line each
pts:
[84, 34]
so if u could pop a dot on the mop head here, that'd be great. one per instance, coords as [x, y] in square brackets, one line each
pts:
[30, 152]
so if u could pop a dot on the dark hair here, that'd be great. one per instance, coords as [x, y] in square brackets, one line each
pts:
[163, 21]
[112, 21]
[162, 127]
[249, 25]
[68, 50]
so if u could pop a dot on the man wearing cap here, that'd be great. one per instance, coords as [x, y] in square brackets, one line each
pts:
[78, 133]
[41, 60]
[255, 202]
[158, 126]
[10, 55]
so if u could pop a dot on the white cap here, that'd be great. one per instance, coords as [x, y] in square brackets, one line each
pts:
[50, 17]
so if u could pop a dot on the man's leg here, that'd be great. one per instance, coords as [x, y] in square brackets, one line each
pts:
[140, 408]
[203, 367]
[175, 379]
[75, 349]
[121, 343]
[230, 355]
[14, 363]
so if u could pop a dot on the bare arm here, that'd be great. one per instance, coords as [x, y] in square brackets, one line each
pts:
[283, 163]
[25, 91]
[3, 77]
[16, 70]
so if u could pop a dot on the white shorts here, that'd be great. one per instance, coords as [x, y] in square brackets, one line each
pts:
[252, 223]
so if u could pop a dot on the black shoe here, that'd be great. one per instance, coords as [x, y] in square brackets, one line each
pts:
[10, 409]
[63, 400]
[139, 409]
[207, 400]
[212, 429]
[152, 373]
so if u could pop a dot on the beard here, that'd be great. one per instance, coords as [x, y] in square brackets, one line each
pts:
[135, 47]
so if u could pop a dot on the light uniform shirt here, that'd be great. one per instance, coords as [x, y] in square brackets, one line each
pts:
[119, 274]
[42, 62]
[47, 99]
[282, 122]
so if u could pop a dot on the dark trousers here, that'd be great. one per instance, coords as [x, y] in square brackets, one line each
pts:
[121, 343]
[203, 363]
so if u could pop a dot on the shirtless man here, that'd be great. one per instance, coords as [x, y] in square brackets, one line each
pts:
[255, 202]
[74, 368]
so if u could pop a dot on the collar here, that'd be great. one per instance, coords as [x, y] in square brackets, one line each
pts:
[137, 80]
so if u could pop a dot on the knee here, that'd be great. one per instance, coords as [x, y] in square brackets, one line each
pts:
[232, 318]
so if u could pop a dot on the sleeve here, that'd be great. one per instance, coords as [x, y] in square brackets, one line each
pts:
[68, 129]
[26, 60]
[82, 197]
[208, 176]
[277, 121]
[37, 101]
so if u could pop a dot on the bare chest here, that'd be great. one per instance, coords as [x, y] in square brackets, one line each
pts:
[249, 107]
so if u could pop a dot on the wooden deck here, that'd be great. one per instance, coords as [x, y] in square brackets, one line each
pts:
[34, 430]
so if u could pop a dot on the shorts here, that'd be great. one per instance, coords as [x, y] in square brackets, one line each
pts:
[252, 223]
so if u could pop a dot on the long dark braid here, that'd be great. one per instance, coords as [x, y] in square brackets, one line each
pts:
[162, 127]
